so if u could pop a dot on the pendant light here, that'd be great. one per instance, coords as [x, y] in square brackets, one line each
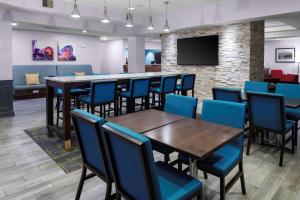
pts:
[150, 26]
[75, 13]
[105, 18]
[166, 27]
[129, 17]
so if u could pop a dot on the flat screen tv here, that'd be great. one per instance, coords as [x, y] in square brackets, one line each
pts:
[198, 51]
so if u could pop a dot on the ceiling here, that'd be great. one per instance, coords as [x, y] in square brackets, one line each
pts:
[142, 6]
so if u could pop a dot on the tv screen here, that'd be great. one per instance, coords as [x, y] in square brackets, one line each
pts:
[198, 51]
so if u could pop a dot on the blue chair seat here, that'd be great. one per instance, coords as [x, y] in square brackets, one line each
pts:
[156, 90]
[173, 186]
[125, 94]
[289, 125]
[292, 112]
[86, 99]
[74, 91]
[222, 161]
[178, 87]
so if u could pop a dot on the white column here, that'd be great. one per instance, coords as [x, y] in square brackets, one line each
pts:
[136, 54]
[6, 50]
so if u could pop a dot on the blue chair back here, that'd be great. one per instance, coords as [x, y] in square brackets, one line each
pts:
[288, 90]
[103, 92]
[181, 105]
[266, 111]
[139, 87]
[94, 156]
[188, 81]
[226, 113]
[168, 84]
[132, 163]
[256, 86]
[227, 94]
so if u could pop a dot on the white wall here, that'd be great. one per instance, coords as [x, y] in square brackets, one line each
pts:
[148, 45]
[6, 51]
[113, 56]
[271, 45]
[88, 49]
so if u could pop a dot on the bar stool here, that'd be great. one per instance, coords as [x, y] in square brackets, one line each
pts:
[167, 86]
[139, 89]
[102, 93]
[187, 83]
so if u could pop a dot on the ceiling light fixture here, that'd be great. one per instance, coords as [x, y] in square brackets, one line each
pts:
[84, 31]
[129, 17]
[75, 13]
[166, 27]
[150, 26]
[105, 18]
[14, 23]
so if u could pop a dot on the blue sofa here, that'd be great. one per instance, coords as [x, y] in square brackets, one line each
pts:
[23, 91]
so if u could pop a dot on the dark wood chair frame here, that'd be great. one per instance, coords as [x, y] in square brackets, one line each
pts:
[130, 101]
[108, 130]
[103, 110]
[85, 165]
[162, 94]
[184, 92]
[283, 132]
[236, 92]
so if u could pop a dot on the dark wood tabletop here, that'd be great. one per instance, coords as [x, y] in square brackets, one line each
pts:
[194, 137]
[146, 120]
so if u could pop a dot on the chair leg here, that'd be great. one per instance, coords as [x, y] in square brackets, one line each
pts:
[282, 150]
[193, 93]
[57, 110]
[242, 178]
[153, 100]
[81, 182]
[293, 140]
[296, 132]
[222, 188]
[262, 136]
[205, 175]
[179, 164]
[249, 141]
[166, 158]
[92, 109]
[108, 191]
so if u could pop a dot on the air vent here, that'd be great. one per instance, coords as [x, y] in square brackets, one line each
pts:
[48, 3]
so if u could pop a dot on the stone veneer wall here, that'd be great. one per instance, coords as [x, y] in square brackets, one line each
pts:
[237, 47]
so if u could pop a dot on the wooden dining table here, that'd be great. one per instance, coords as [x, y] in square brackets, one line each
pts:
[194, 137]
[67, 83]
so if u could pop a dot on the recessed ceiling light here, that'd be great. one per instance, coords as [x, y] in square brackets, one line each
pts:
[14, 23]
[103, 38]
[84, 31]
[131, 8]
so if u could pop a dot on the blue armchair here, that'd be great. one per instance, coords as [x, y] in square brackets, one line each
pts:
[94, 157]
[136, 174]
[291, 91]
[187, 83]
[102, 93]
[267, 113]
[167, 86]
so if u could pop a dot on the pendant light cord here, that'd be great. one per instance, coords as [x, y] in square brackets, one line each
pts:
[150, 10]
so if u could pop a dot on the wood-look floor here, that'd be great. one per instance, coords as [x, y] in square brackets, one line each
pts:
[27, 172]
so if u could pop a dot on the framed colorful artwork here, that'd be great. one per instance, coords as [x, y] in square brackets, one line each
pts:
[66, 52]
[41, 52]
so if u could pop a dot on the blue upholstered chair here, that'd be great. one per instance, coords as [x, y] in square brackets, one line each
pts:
[187, 83]
[267, 113]
[290, 91]
[222, 162]
[139, 89]
[167, 86]
[135, 173]
[227, 94]
[178, 105]
[256, 86]
[75, 94]
[87, 127]
[102, 93]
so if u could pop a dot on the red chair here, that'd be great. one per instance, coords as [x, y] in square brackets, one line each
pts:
[277, 74]
[290, 78]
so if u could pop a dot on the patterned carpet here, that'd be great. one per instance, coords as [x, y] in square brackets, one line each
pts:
[69, 161]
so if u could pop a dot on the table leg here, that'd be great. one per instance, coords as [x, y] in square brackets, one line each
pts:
[193, 168]
[49, 108]
[67, 117]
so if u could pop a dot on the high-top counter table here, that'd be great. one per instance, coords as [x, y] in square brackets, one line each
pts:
[67, 83]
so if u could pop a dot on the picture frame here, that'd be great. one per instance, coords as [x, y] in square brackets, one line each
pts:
[285, 55]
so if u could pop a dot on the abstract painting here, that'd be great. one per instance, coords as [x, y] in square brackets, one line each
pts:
[285, 55]
[41, 53]
[66, 52]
